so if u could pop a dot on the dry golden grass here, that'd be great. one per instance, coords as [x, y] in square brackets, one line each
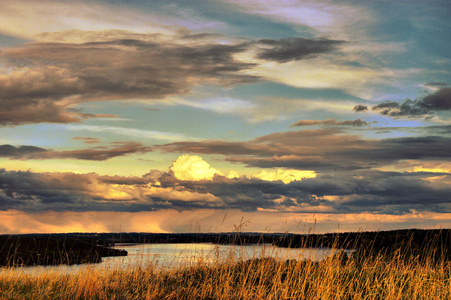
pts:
[373, 277]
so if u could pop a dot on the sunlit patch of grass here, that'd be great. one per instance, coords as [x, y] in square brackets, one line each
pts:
[376, 276]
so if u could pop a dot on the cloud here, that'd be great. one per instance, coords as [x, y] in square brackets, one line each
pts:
[436, 84]
[96, 154]
[341, 192]
[320, 150]
[191, 167]
[303, 150]
[87, 140]
[232, 174]
[289, 49]
[192, 183]
[360, 107]
[219, 105]
[330, 72]
[326, 17]
[286, 176]
[48, 79]
[52, 78]
[330, 122]
[139, 133]
[218, 147]
[33, 192]
[10, 151]
[99, 154]
[437, 102]
[28, 95]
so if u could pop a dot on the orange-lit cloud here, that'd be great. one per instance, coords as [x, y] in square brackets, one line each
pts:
[432, 170]
[286, 176]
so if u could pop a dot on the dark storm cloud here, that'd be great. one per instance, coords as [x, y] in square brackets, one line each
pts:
[382, 192]
[289, 49]
[331, 123]
[359, 184]
[320, 150]
[431, 104]
[341, 192]
[97, 154]
[34, 191]
[245, 194]
[48, 78]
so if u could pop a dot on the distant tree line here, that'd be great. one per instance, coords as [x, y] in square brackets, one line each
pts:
[29, 250]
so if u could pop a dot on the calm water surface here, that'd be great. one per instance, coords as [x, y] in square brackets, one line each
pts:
[169, 256]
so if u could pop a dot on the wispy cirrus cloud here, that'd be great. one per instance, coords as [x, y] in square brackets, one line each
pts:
[330, 122]
[220, 105]
[27, 18]
[313, 16]
[138, 133]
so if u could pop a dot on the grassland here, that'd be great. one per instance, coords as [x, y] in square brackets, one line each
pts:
[367, 275]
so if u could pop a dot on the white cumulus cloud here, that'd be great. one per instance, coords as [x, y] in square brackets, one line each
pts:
[192, 167]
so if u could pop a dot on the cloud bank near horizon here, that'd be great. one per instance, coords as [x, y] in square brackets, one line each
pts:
[191, 183]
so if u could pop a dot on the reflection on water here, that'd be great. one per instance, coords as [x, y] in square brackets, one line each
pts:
[169, 256]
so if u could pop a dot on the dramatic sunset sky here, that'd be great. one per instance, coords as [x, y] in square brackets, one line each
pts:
[208, 116]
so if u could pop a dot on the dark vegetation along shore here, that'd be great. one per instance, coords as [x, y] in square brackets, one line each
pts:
[42, 249]
[78, 248]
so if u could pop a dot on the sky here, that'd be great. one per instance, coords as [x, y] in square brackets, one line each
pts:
[224, 115]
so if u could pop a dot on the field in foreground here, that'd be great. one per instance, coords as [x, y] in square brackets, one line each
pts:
[370, 277]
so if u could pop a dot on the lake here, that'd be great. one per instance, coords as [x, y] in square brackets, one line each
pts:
[169, 256]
